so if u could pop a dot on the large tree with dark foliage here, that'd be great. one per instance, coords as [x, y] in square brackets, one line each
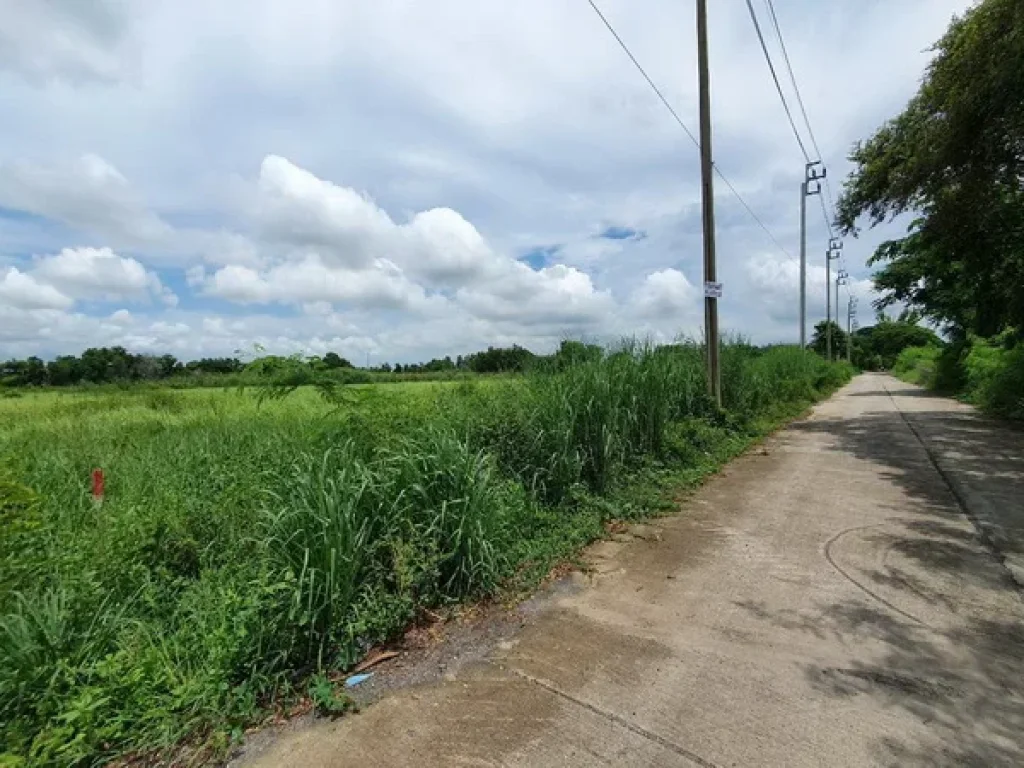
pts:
[876, 347]
[820, 339]
[955, 159]
[500, 360]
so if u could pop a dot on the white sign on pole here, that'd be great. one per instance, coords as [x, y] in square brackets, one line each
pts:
[712, 290]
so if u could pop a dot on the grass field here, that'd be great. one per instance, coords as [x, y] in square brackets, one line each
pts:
[243, 551]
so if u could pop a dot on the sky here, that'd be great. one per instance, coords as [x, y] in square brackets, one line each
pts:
[397, 180]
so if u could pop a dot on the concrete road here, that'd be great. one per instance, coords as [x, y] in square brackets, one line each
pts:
[842, 598]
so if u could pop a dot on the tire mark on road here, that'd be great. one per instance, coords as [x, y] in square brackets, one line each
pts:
[845, 574]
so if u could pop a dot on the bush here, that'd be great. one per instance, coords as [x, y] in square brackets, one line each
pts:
[995, 376]
[918, 365]
[987, 373]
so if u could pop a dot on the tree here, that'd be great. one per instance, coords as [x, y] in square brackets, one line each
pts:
[145, 368]
[94, 365]
[168, 364]
[877, 347]
[333, 360]
[819, 341]
[23, 373]
[955, 158]
[64, 371]
[500, 360]
[216, 365]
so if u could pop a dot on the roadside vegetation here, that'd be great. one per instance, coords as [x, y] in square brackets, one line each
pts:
[251, 545]
[988, 373]
[953, 159]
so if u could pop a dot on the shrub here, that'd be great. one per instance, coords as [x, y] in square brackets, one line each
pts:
[995, 375]
[988, 373]
[918, 365]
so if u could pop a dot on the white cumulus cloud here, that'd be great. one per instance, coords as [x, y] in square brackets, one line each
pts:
[23, 291]
[665, 294]
[308, 280]
[348, 229]
[99, 273]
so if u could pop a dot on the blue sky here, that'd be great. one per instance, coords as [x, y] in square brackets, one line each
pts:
[407, 180]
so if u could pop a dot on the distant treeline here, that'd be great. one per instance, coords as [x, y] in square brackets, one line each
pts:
[116, 365]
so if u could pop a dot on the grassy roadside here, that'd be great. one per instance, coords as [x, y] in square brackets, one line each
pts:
[654, 489]
[987, 373]
[243, 552]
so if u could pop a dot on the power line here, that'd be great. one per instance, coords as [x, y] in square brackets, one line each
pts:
[792, 77]
[770, 5]
[644, 73]
[831, 204]
[682, 125]
[753, 215]
[778, 85]
[824, 210]
[803, 109]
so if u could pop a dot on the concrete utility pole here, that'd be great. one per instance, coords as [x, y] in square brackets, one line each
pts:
[828, 305]
[811, 186]
[841, 279]
[834, 248]
[851, 305]
[711, 288]
[854, 325]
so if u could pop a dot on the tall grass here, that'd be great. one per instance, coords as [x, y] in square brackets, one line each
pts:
[318, 529]
[242, 548]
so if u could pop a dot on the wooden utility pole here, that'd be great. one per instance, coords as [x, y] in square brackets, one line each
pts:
[711, 288]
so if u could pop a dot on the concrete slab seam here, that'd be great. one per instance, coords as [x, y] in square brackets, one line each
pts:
[619, 720]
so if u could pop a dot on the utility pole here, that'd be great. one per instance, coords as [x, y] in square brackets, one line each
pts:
[850, 307]
[828, 305]
[854, 325]
[833, 252]
[841, 279]
[811, 186]
[712, 290]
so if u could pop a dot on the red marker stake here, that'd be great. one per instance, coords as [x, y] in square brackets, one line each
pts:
[97, 485]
